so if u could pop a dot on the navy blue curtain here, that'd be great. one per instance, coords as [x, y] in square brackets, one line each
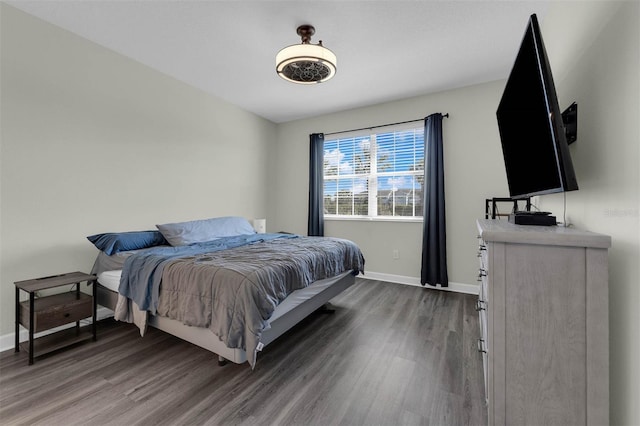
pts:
[434, 238]
[315, 227]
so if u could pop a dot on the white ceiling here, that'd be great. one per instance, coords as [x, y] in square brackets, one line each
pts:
[386, 50]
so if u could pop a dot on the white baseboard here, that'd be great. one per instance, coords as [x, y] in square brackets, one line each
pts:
[7, 340]
[413, 281]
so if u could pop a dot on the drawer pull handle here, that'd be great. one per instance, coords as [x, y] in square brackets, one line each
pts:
[67, 315]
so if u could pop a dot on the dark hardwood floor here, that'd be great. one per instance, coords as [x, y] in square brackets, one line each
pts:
[390, 355]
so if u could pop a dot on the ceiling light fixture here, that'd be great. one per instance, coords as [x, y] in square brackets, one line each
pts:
[306, 63]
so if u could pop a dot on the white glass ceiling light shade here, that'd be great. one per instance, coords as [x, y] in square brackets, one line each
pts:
[306, 63]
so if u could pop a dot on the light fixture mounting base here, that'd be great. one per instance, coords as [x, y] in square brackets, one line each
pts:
[305, 32]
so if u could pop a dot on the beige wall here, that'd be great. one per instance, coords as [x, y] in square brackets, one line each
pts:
[95, 142]
[473, 171]
[597, 66]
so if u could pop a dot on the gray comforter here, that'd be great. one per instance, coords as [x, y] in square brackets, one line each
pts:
[234, 292]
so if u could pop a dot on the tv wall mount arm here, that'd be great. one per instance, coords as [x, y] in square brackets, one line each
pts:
[570, 121]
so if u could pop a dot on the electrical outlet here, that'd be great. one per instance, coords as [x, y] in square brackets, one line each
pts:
[396, 254]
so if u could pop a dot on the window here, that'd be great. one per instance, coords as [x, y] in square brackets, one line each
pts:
[375, 175]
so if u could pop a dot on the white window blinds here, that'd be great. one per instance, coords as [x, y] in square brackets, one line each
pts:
[375, 175]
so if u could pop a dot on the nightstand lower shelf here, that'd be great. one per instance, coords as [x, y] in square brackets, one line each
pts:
[58, 340]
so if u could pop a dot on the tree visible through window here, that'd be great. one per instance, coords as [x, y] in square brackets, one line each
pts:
[375, 175]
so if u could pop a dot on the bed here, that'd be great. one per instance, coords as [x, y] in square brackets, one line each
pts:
[232, 292]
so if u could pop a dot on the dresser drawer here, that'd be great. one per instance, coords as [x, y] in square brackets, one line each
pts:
[483, 258]
[481, 307]
[58, 309]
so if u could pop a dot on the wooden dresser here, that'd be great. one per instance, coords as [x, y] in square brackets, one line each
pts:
[544, 324]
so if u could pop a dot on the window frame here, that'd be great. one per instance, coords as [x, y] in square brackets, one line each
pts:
[373, 175]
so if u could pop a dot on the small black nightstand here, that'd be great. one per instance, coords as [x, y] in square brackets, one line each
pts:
[46, 312]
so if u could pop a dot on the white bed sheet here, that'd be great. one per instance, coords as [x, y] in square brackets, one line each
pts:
[110, 279]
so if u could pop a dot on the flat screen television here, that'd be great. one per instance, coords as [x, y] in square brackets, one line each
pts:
[534, 143]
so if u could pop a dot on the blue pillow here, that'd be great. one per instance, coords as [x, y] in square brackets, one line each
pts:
[114, 242]
[198, 231]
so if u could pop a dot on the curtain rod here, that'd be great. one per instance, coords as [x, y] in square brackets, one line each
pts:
[445, 115]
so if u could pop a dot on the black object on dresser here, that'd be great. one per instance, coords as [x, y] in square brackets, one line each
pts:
[532, 218]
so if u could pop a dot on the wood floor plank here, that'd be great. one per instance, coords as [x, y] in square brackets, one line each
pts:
[391, 354]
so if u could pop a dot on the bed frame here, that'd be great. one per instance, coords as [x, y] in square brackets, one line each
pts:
[282, 321]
